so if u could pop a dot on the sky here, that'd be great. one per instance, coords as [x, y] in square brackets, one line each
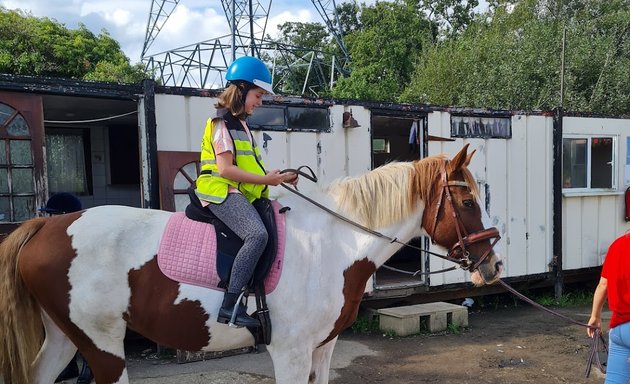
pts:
[192, 21]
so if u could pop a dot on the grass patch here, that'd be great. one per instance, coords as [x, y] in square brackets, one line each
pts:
[454, 329]
[389, 334]
[366, 325]
[569, 299]
[573, 296]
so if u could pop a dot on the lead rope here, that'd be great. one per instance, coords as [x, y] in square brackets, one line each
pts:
[597, 339]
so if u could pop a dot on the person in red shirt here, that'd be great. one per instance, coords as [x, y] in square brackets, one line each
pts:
[614, 284]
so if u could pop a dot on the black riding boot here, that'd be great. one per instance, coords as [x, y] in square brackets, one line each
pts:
[227, 309]
[85, 377]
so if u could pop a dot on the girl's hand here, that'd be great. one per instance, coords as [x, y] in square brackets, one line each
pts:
[291, 178]
[274, 177]
[594, 322]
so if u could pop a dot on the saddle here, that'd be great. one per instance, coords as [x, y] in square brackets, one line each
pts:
[228, 243]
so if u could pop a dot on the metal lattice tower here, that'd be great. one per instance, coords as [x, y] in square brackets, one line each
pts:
[328, 11]
[296, 70]
[159, 13]
[248, 21]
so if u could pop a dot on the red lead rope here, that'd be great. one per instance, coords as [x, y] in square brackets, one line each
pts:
[597, 341]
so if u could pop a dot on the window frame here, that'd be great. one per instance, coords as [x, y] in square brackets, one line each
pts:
[386, 146]
[285, 126]
[485, 132]
[11, 166]
[614, 166]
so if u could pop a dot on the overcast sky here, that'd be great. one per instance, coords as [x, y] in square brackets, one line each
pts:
[126, 20]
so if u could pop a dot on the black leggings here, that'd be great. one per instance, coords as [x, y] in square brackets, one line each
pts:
[242, 218]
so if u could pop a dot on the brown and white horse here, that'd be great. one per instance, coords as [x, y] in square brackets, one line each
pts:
[89, 275]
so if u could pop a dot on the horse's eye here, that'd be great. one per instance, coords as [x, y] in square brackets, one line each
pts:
[469, 203]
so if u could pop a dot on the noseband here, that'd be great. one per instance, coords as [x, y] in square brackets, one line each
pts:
[458, 252]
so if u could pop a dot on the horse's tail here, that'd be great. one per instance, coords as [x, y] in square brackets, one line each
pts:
[21, 328]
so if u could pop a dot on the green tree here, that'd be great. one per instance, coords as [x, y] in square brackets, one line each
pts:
[510, 58]
[44, 47]
[349, 17]
[452, 16]
[307, 35]
[384, 50]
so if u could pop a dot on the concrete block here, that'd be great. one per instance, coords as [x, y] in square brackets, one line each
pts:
[401, 326]
[404, 321]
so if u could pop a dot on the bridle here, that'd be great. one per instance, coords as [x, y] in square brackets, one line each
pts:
[458, 252]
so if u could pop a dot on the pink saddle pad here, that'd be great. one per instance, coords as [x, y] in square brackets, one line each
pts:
[188, 252]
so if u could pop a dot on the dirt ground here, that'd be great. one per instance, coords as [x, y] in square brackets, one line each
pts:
[509, 345]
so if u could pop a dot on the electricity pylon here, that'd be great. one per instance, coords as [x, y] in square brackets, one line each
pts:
[296, 70]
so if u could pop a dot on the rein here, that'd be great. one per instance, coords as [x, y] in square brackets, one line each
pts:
[597, 340]
[459, 247]
[354, 223]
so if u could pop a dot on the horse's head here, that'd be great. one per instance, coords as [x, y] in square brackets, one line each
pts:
[454, 220]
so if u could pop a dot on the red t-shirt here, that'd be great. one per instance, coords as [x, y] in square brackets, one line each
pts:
[617, 271]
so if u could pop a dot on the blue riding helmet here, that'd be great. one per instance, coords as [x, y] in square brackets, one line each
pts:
[252, 70]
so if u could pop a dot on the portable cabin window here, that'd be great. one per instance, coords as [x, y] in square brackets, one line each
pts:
[17, 190]
[588, 162]
[380, 146]
[68, 161]
[271, 118]
[290, 118]
[485, 127]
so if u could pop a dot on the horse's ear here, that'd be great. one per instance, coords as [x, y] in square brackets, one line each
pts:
[469, 157]
[460, 160]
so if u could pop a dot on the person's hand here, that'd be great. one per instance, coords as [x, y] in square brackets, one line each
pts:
[595, 322]
[274, 177]
[291, 178]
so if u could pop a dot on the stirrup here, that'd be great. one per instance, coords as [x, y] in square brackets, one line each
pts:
[232, 322]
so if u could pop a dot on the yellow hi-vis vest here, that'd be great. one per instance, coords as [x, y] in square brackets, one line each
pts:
[213, 188]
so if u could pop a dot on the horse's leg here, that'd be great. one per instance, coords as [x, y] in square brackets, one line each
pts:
[291, 365]
[54, 354]
[320, 368]
[105, 354]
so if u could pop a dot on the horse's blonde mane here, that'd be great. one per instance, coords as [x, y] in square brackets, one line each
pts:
[390, 193]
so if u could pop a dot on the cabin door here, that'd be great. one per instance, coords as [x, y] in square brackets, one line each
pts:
[397, 137]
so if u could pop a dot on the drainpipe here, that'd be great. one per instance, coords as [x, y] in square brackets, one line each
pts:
[557, 202]
[557, 179]
[148, 147]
